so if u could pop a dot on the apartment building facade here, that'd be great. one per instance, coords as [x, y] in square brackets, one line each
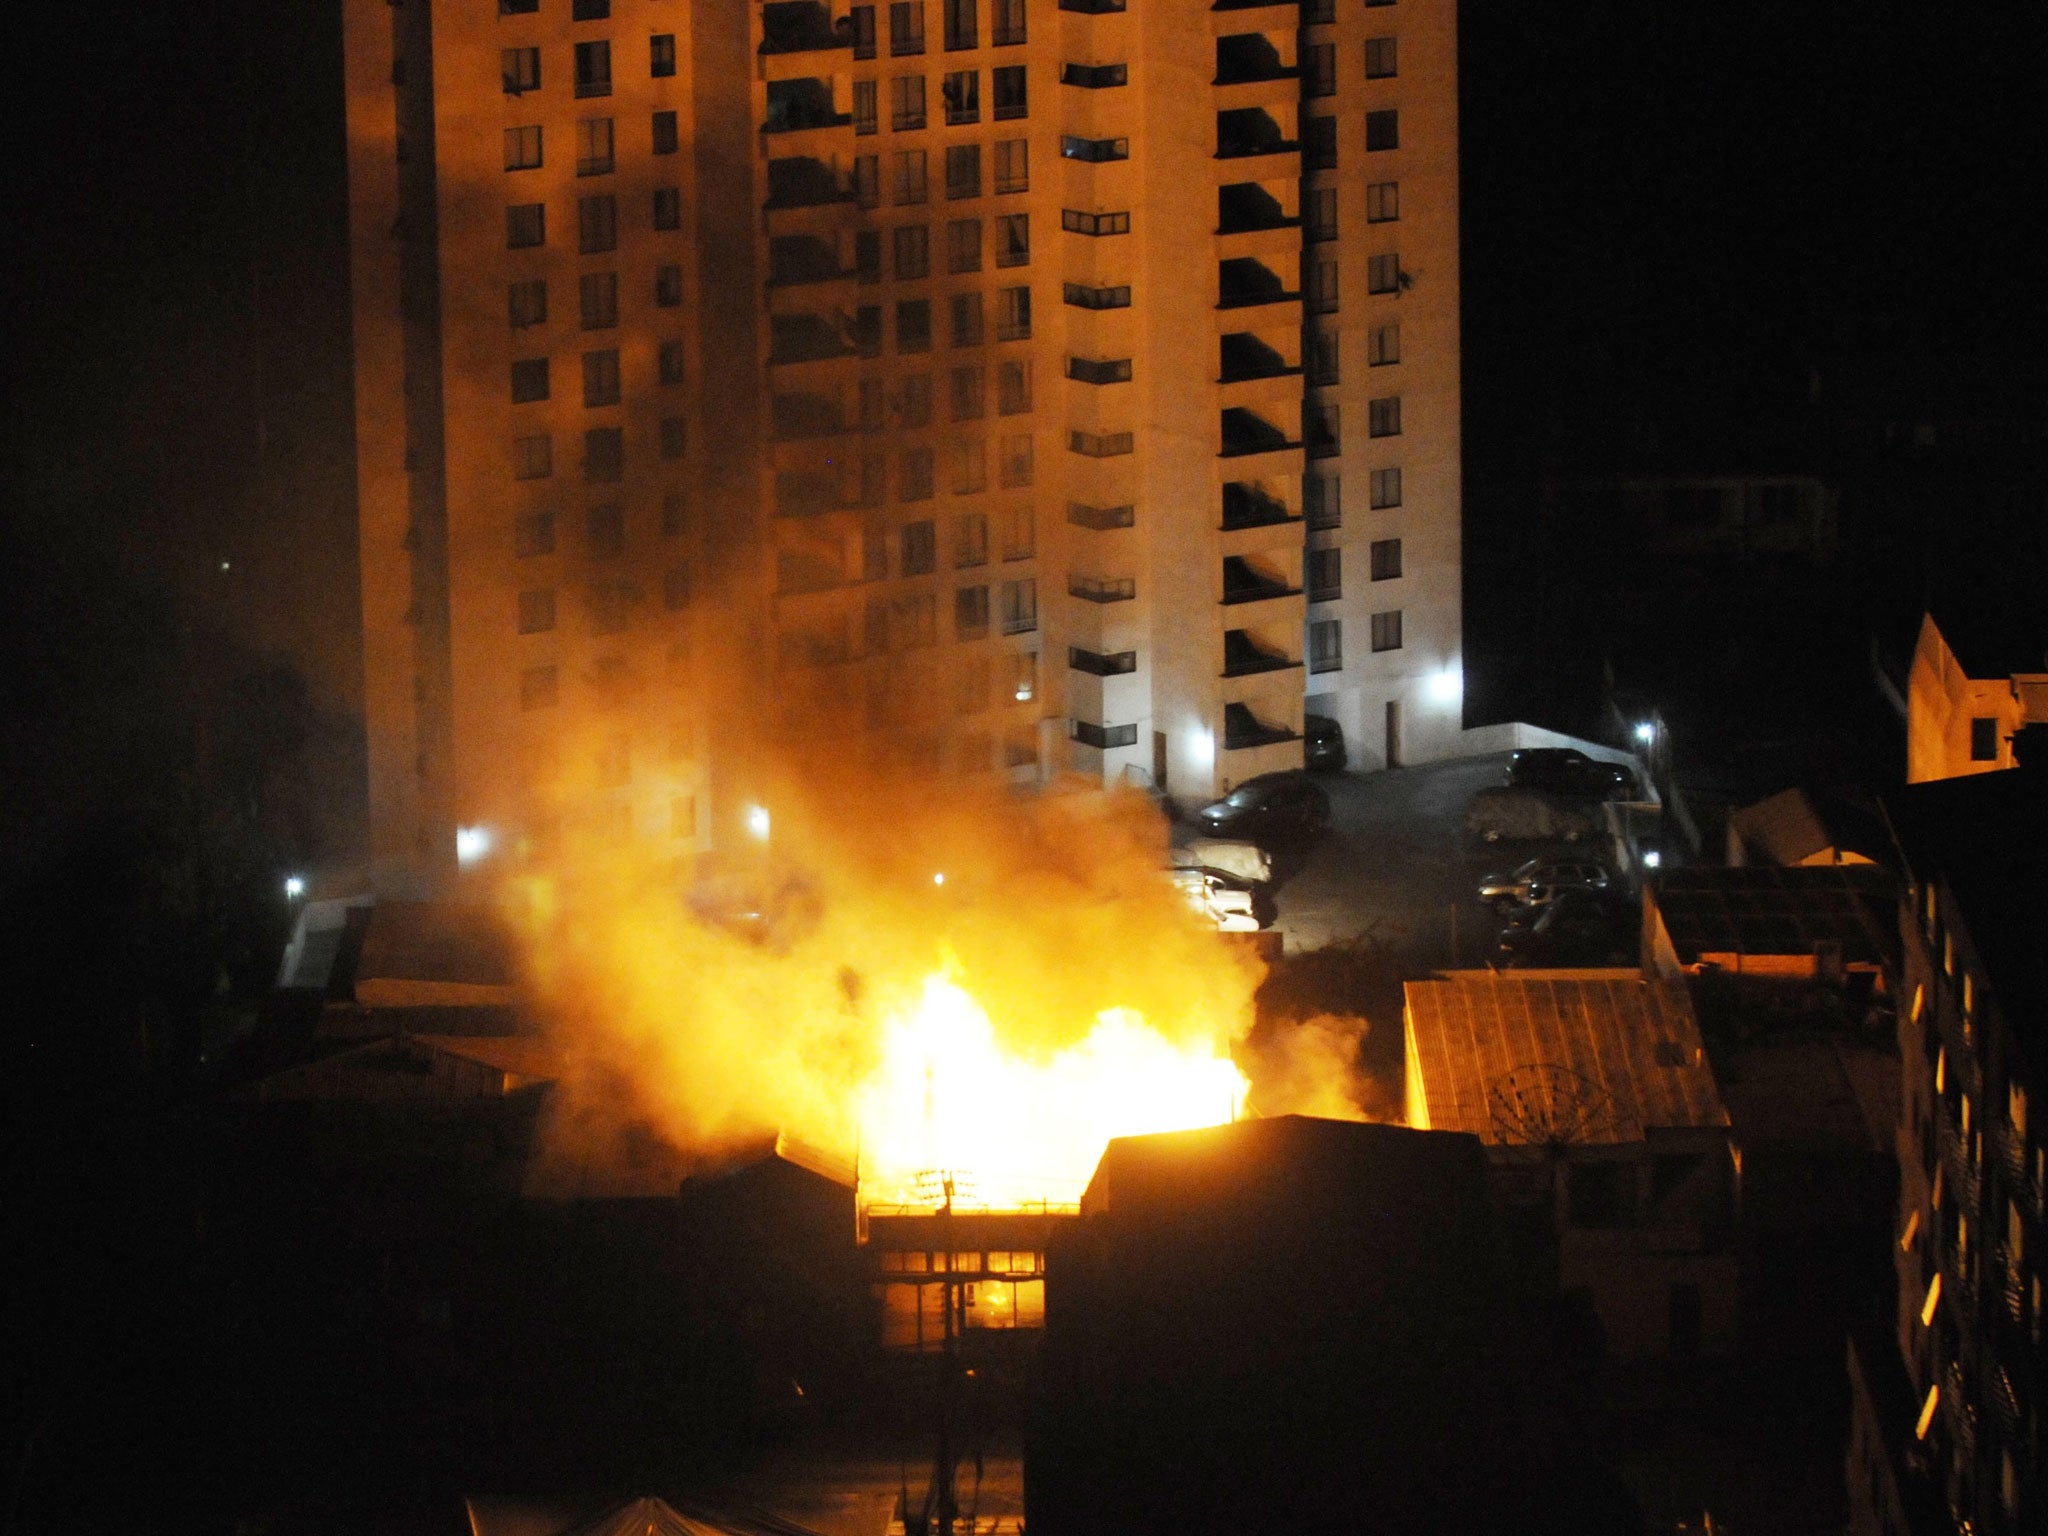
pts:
[1009, 387]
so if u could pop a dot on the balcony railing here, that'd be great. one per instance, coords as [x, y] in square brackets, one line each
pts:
[1097, 664]
[1243, 730]
[1249, 57]
[1101, 519]
[1103, 589]
[1244, 582]
[1244, 356]
[1244, 207]
[1247, 506]
[1247, 131]
[1093, 7]
[1245, 657]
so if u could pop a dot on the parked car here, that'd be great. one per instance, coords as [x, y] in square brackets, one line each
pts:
[1578, 928]
[1233, 904]
[1528, 815]
[1569, 772]
[1541, 881]
[1274, 807]
[1325, 744]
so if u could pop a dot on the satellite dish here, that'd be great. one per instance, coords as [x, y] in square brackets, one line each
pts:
[1549, 1107]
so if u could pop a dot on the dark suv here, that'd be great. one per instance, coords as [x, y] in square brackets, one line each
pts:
[1325, 743]
[1568, 771]
[1275, 807]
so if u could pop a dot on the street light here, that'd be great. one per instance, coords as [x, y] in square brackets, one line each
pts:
[757, 822]
[471, 844]
[294, 887]
[1646, 732]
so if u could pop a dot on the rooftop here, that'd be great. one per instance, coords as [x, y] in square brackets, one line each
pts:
[1763, 910]
[1590, 1057]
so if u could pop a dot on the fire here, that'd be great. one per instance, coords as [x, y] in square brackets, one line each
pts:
[949, 1105]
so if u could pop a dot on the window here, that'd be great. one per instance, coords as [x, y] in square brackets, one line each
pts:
[528, 303]
[525, 225]
[963, 245]
[537, 611]
[1074, 221]
[1108, 370]
[970, 466]
[1383, 273]
[604, 455]
[1015, 468]
[605, 527]
[1983, 739]
[597, 224]
[908, 168]
[529, 380]
[1319, 143]
[1013, 165]
[522, 149]
[674, 440]
[594, 69]
[668, 208]
[1013, 322]
[533, 457]
[1007, 84]
[1013, 387]
[590, 10]
[1083, 296]
[1094, 77]
[1383, 417]
[1319, 214]
[963, 170]
[962, 92]
[906, 102]
[962, 30]
[1318, 12]
[1319, 78]
[1383, 345]
[1006, 23]
[1074, 147]
[1104, 737]
[970, 613]
[661, 55]
[1013, 240]
[914, 476]
[863, 31]
[1382, 202]
[1325, 575]
[675, 588]
[967, 326]
[1326, 645]
[1320, 354]
[539, 687]
[1386, 559]
[1020, 534]
[970, 541]
[518, 7]
[668, 285]
[534, 534]
[920, 548]
[867, 180]
[968, 394]
[671, 362]
[664, 133]
[1379, 58]
[914, 401]
[593, 146]
[906, 29]
[521, 68]
[1382, 130]
[913, 252]
[1323, 500]
[1319, 286]
[864, 111]
[1386, 631]
[1020, 606]
[601, 377]
[599, 296]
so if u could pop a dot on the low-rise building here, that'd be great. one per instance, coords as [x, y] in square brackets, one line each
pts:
[1972, 685]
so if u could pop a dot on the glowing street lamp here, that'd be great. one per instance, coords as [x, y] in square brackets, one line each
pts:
[294, 887]
[757, 822]
[1646, 732]
[471, 844]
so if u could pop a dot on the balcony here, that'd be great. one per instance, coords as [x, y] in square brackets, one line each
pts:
[1245, 356]
[1245, 207]
[801, 181]
[1247, 57]
[801, 26]
[1244, 281]
[1250, 506]
[1244, 656]
[1248, 580]
[794, 260]
[1248, 131]
[1247, 432]
[795, 105]
[1243, 730]
[1101, 519]
[1098, 664]
[806, 338]
[1102, 589]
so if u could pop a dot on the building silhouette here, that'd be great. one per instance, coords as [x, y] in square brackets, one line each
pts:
[1000, 386]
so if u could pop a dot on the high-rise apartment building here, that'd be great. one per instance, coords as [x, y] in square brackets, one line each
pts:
[1009, 385]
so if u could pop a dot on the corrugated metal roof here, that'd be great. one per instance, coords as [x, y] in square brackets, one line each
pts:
[1606, 1052]
[1760, 910]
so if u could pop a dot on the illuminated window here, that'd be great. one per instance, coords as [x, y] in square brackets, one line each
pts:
[1022, 685]
[528, 303]
[661, 55]
[529, 380]
[1926, 1419]
[1075, 147]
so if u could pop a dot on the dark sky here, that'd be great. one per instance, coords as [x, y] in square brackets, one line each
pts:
[1681, 207]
